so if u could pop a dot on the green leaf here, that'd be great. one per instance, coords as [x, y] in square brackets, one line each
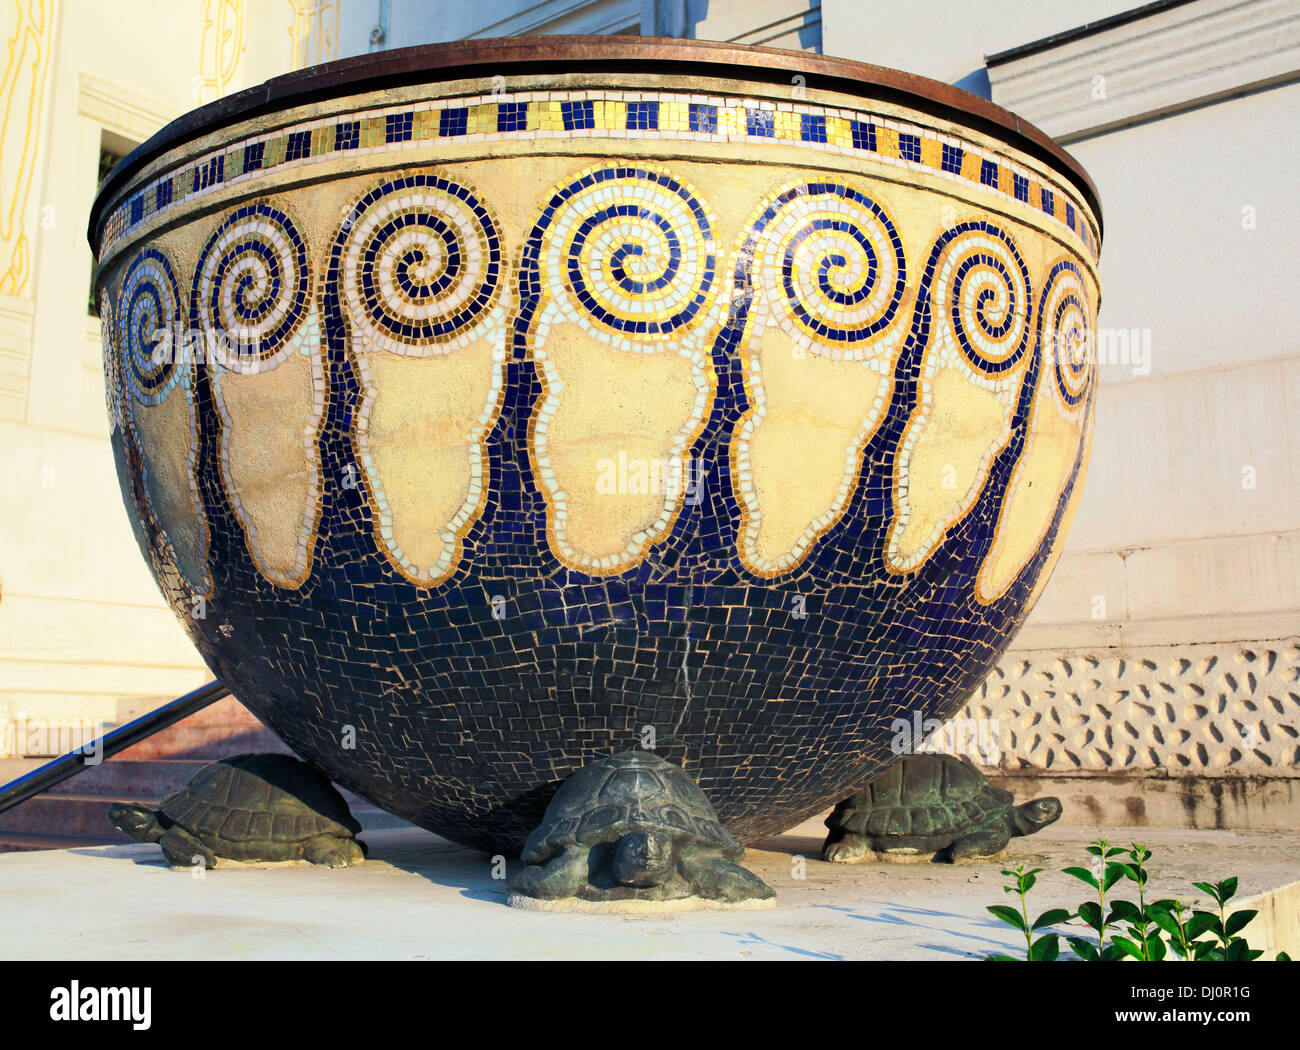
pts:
[1046, 948]
[1228, 887]
[1238, 920]
[1127, 870]
[1008, 915]
[1123, 911]
[1114, 872]
[1210, 888]
[1112, 953]
[1165, 921]
[1282, 957]
[1083, 948]
[1201, 922]
[1129, 947]
[1114, 851]
[1208, 951]
[1050, 918]
[1155, 949]
[1001, 958]
[1096, 848]
[1083, 875]
[1090, 912]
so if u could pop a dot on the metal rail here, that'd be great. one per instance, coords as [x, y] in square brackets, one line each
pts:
[119, 739]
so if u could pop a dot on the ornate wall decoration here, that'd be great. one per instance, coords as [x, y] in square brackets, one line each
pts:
[221, 47]
[22, 107]
[313, 32]
[1195, 710]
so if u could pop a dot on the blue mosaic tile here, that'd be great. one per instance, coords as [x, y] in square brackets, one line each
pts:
[578, 115]
[761, 123]
[703, 118]
[643, 116]
[512, 116]
[812, 128]
[347, 135]
[398, 127]
[452, 122]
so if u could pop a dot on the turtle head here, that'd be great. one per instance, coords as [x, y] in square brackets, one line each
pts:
[1036, 815]
[644, 859]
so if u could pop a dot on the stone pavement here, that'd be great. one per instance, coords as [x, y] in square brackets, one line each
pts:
[421, 897]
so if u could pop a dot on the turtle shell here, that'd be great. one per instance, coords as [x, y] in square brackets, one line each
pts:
[636, 791]
[921, 796]
[260, 798]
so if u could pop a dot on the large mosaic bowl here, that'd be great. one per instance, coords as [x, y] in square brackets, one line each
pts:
[488, 408]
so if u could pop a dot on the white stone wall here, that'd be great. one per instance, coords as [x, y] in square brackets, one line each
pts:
[1164, 644]
[83, 629]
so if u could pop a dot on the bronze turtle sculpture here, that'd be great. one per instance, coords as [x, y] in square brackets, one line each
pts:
[939, 805]
[634, 827]
[249, 808]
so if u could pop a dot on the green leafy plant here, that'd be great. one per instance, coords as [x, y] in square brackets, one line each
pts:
[1142, 929]
[1046, 947]
[1093, 913]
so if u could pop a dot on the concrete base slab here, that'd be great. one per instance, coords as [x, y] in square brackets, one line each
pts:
[574, 904]
[421, 897]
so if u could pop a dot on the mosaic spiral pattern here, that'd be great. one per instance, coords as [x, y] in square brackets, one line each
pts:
[422, 264]
[982, 294]
[149, 328]
[1067, 335]
[631, 250]
[251, 287]
[832, 260]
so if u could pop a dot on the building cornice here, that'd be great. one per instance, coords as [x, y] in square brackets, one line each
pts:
[1172, 59]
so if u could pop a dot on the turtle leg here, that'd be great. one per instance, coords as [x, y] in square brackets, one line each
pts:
[847, 849]
[182, 849]
[712, 876]
[333, 850]
[561, 876]
[987, 842]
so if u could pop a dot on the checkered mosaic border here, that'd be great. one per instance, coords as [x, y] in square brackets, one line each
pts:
[666, 116]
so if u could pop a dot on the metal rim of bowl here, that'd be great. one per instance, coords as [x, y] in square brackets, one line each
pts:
[514, 55]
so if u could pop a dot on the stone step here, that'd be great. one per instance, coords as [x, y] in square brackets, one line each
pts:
[76, 811]
[72, 815]
[13, 768]
[60, 821]
[128, 779]
[209, 743]
[67, 816]
[124, 778]
[24, 842]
